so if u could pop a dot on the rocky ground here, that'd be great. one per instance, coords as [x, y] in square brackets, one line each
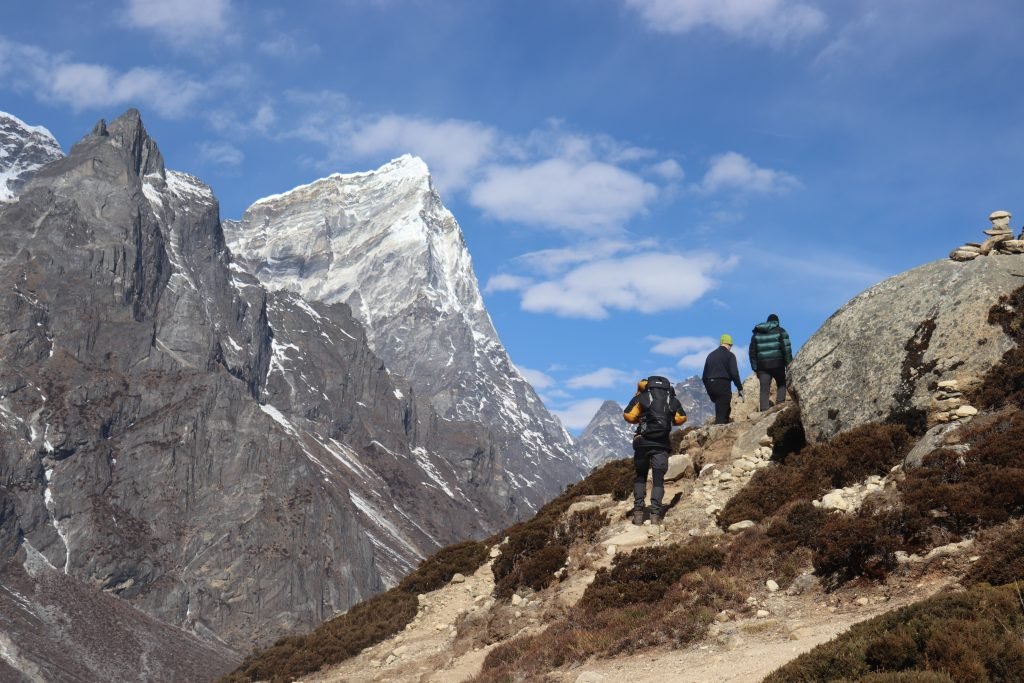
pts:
[450, 636]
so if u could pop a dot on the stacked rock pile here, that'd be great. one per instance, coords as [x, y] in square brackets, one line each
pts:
[948, 404]
[1000, 240]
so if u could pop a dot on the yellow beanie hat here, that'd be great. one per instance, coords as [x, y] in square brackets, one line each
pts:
[726, 339]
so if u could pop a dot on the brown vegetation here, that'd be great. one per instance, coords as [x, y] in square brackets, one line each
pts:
[967, 637]
[682, 615]
[847, 458]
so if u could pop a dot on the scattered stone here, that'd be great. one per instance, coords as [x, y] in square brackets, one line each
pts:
[679, 465]
[724, 476]
[495, 552]
[375, 663]
[802, 584]
[835, 500]
[861, 601]
[765, 441]
[966, 411]
[582, 506]
[390, 660]
[740, 526]
[518, 613]
[612, 549]
[440, 627]
[458, 578]
[771, 586]
[949, 384]
[517, 599]
[763, 614]
[712, 509]
[973, 558]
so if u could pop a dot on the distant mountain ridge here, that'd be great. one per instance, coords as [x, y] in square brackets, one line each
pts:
[384, 244]
[23, 149]
[608, 436]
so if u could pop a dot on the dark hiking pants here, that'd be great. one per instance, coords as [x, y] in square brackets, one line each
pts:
[766, 376]
[656, 461]
[720, 393]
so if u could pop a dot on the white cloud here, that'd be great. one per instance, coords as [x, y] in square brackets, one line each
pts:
[648, 283]
[287, 46]
[180, 21]
[453, 149]
[537, 378]
[669, 170]
[506, 283]
[88, 86]
[676, 346]
[221, 153]
[736, 172]
[601, 378]
[557, 260]
[768, 21]
[584, 196]
[578, 415]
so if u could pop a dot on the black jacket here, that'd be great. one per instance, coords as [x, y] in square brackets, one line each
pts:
[721, 364]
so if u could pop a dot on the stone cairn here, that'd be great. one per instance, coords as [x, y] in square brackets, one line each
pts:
[1000, 240]
[948, 404]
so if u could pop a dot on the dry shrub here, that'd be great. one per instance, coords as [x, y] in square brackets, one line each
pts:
[438, 569]
[847, 458]
[366, 624]
[679, 617]
[963, 492]
[539, 547]
[1002, 563]
[646, 574]
[849, 546]
[787, 433]
[754, 555]
[965, 637]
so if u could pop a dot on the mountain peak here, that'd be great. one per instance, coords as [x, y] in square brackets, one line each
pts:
[23, 149]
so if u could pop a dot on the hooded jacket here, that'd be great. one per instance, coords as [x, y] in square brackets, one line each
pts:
[770, 347]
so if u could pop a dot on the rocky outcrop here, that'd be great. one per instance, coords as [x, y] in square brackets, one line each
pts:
[607, 437]
[884, 354]
[234, 462]
[383, 243]
[23, 149]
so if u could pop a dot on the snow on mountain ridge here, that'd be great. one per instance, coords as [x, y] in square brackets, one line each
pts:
[383, 243]
[23, 149]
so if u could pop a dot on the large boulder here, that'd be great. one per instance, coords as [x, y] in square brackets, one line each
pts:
[882, 354]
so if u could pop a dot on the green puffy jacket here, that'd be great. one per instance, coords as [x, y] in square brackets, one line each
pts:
[770, 347]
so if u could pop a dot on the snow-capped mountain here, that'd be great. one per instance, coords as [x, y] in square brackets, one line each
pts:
[607, 437]
[383, 243]
[235, 462]
[23, 149]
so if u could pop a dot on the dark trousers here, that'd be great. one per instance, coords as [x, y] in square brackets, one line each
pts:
[644, 459]
[720, 393]
[765, 376]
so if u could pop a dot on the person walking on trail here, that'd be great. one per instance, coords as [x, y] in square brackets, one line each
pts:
[720, 370]
[770, 353]
[654, 409]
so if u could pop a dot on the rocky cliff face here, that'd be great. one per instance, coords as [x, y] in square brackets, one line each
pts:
[607, 437]
[382, 243]
[231, 461]
[23, 149]
[885, 351]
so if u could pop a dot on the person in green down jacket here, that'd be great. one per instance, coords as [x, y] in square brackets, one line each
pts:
[770, 353]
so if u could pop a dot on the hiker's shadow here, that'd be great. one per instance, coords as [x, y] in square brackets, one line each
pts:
[675, 501]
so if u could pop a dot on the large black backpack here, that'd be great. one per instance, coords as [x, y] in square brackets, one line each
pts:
[656, 404]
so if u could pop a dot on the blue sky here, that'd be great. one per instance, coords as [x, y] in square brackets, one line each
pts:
[634, 177]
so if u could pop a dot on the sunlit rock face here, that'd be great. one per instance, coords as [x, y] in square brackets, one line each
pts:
[384, 244]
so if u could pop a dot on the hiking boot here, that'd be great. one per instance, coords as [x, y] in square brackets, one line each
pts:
[657, 518]
[638, 517]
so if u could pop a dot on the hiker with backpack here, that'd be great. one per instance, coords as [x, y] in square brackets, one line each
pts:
[721, 370]
[654, 409]
[770, 353]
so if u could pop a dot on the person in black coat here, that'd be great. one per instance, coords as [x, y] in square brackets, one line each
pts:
[721, 370]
